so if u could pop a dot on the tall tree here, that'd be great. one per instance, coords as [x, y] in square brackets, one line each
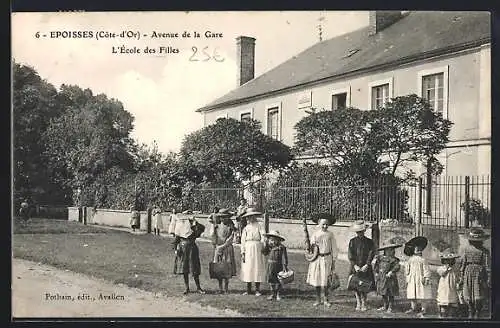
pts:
[34, 106]
[411, 131]
[344, 138]
[230, 151]
[90, 137]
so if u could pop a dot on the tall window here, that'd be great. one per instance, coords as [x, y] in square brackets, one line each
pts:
[273, 123]
[245, 117]
[339, 101]
[380, 95]
[433, 90]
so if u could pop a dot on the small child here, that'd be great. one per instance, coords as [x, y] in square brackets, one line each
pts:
[418, 275]
[277, 261]
[386, 266]
[447, 296]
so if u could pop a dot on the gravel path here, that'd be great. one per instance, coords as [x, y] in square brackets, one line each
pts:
[43, 291]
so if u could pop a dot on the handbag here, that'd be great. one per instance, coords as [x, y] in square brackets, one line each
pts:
[358, 283]
[286, 277]
[333, 281]
[219, 269]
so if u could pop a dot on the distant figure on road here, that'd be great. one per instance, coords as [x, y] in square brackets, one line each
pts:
[24, 212]
[135, 218]
[157, 221]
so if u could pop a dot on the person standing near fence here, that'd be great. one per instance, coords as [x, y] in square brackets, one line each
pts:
[241, 222]
[157, 221]
[253, 266]
[475, 272]
[277, 261]
[24, 212]
[172, 221]
[360, 253]
[418, 276]
[222, 237]
[187, 254]
[135, 218]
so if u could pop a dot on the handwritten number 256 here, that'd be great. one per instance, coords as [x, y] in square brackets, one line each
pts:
[215, 56]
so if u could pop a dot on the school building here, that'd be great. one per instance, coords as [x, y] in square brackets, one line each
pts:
[444, 57]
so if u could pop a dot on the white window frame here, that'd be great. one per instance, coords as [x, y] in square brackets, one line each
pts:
[272, 106]
[339, 91]
[436, 70]
[245, 111]
[373, 84]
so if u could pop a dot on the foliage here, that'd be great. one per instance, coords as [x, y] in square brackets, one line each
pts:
[90, 137]
[310, 188]
[478, 213]
[230, 151]
[344, 138]
[34, 105]
[411, 131]
[361, 145]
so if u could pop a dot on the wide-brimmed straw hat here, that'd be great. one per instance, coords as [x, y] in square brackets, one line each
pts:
[224, 213]
[448, 255]
[359, 225]
[387, 246]
[419, 242]
[274, 233]
[316, 217]
[251, 212]
[477, 235]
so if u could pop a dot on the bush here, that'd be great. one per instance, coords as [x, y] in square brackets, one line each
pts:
[478, 213]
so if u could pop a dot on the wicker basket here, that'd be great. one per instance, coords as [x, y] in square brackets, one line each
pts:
[286, 277]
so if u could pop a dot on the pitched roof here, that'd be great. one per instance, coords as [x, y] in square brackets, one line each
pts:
[418, 35]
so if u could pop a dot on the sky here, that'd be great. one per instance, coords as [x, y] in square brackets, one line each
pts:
[162, 91]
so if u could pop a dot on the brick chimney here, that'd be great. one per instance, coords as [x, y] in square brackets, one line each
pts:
[378, 20]
[245, 58]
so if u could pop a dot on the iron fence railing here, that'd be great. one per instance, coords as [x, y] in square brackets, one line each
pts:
[445, 201]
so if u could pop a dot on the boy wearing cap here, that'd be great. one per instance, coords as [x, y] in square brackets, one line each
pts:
[386, 266]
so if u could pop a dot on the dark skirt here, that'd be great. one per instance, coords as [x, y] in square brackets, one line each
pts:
[228, 256]
[387, 286]
[188, 258]
[273, 268]
[366, 276]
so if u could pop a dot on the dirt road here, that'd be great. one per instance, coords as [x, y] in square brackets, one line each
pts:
[43, 291]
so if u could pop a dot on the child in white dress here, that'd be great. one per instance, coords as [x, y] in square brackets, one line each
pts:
[418, 276]
[447, 296]
[321, 268]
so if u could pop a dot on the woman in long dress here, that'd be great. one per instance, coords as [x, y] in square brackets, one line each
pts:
[253, 266]
[222, 237]
[475, 272]
[187, 254]
[320, 269]
[360, 253]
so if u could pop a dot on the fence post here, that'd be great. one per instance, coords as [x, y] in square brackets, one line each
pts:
[149, 211]
[467, 200]
[419, 208]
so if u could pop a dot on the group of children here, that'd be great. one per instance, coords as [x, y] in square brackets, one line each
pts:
[264, 259]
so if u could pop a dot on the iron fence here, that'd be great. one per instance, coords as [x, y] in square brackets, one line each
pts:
[446, 201]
